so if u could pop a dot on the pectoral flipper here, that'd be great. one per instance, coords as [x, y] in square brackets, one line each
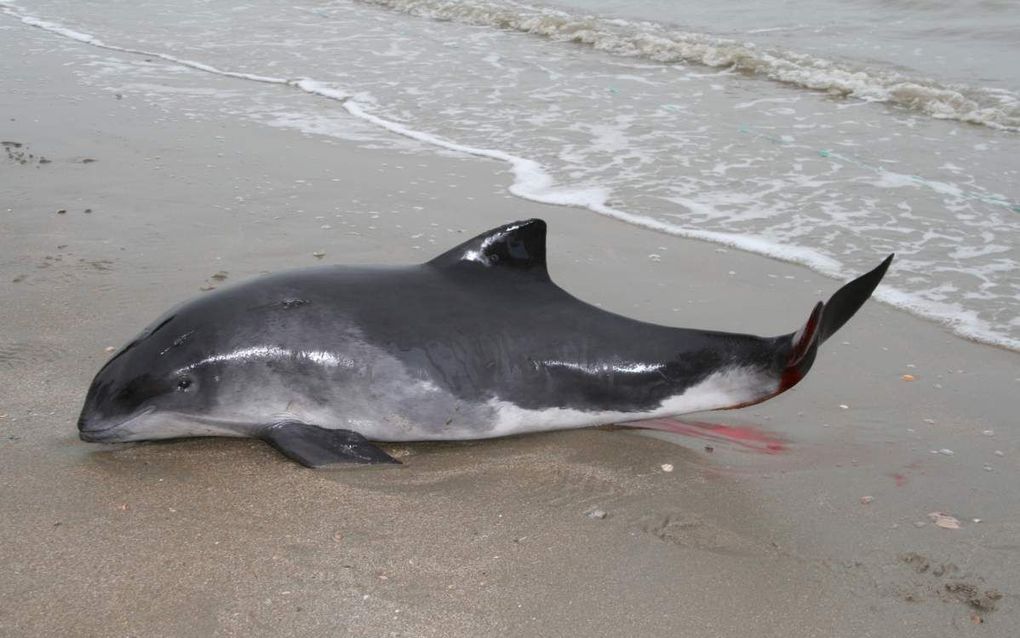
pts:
[317, 447]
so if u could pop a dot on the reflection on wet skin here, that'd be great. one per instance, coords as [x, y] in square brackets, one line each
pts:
[607, 368]
[276, 353]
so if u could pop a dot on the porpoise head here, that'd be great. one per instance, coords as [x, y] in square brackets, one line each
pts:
[151, 389]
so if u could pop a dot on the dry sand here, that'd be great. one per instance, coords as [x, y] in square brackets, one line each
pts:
[226, 537]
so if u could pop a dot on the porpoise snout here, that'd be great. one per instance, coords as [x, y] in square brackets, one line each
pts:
[92, 419]
[89, 427]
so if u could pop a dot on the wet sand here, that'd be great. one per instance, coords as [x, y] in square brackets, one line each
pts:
[760, 528]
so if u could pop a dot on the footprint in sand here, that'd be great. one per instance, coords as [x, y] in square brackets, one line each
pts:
[945, 583]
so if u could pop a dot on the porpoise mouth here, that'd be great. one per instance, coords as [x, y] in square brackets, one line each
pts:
[102, 436]
[108, 429]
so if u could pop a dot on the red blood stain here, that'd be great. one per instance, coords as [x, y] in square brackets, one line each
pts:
[798, 361]
[747, 437]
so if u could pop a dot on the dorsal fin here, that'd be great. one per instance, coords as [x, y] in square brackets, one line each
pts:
[518, 246]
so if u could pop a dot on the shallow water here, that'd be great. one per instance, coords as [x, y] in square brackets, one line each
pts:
[814, 149]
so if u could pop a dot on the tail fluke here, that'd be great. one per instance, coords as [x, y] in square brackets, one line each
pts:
[848, 300]
[825, 320]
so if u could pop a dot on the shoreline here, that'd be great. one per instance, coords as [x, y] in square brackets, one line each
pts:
[533, 183]
[465, 539]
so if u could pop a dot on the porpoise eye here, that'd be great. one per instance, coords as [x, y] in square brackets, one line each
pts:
[183, 383]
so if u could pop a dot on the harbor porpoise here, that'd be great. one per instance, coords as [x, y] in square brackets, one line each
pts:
[476, 343]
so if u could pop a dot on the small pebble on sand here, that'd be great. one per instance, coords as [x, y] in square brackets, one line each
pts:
[909, 377]
[318, 254]
[109, 348]
[596, 514]
[867, 499]
[667, 467]
[999, 453]
[843, 406]
[946, 451]
[989, 432]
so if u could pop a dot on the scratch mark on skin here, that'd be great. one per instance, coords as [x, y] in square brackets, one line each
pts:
[179, 341]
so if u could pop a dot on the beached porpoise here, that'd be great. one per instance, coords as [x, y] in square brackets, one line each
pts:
[477, 343]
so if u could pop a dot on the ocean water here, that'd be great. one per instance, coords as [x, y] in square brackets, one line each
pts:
[824, 133]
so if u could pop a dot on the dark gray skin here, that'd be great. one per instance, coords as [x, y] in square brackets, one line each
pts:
[473, 344]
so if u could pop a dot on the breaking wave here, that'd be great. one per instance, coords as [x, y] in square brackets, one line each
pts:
[995, 108]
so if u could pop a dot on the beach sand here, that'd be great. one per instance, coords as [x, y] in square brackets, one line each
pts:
[759, 529]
